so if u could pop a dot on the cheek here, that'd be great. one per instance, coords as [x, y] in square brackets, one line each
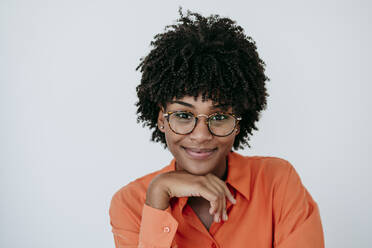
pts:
[172, 138]
[227, 142]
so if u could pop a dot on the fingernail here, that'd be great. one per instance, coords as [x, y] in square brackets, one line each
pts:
[225, 217]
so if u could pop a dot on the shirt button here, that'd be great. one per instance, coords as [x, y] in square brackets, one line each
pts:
[166, 229]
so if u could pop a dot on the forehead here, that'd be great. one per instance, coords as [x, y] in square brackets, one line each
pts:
[197, 103]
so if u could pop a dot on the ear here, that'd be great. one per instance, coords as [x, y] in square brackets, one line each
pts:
[237, 130]
[161, 120]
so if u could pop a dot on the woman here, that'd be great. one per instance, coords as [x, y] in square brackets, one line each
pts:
[202, 90]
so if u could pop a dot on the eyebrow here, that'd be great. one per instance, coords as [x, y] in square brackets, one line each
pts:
[222, 106]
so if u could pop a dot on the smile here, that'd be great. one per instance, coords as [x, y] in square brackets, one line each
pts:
[197, 153]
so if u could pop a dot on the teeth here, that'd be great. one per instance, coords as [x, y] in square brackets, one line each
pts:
[201, 151]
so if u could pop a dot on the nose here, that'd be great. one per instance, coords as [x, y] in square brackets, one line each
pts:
[201, 133]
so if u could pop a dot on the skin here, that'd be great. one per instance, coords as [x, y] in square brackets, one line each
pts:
[200, 164]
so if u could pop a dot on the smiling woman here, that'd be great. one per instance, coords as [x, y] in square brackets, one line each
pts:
[196, 148]
[202, 90]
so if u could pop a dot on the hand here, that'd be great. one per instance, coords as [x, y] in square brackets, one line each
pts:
[183, 184]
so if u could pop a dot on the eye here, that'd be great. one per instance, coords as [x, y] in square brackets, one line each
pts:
[183, 115]
[220, 117]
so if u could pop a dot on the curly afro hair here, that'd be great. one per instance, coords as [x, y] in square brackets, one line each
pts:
[208, 56]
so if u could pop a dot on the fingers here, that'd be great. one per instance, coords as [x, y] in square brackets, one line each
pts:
[216, 191]
[224, 214]
[226, 190]
[217, 215]
[221, 212]
[211, 194]
[220, 196]
[215, 196]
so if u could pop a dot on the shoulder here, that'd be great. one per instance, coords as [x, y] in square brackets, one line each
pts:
[266, 167]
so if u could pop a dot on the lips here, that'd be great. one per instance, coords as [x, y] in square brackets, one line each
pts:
[199, 153]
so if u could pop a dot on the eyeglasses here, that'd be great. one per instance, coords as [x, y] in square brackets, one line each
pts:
[219, 124]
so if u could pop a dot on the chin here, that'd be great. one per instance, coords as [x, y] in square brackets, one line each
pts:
[199, 166]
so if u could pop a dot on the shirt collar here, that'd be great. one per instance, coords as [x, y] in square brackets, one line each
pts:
[238, 176]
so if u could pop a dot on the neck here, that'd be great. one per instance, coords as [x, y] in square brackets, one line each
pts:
[220, 171]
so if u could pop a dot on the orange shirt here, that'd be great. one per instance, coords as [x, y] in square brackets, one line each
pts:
[273, 209]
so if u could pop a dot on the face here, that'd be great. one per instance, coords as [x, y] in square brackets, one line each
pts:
[198, 152]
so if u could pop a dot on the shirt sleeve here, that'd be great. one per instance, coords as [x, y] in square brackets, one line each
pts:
[140, 226]
[297, 218]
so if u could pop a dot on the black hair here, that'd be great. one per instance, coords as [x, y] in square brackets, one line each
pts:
[210, 56]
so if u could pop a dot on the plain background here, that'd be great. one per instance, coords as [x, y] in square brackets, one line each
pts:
[69, 138]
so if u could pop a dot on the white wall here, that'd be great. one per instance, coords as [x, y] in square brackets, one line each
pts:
[68, 132]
